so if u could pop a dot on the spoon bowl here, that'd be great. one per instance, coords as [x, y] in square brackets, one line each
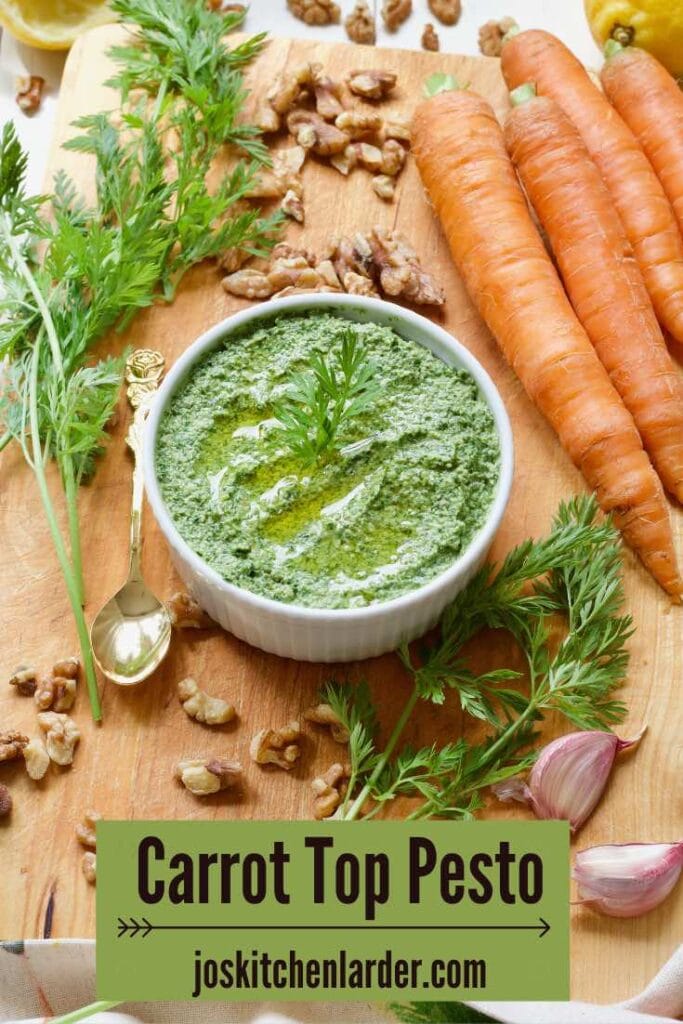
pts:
[131, 634]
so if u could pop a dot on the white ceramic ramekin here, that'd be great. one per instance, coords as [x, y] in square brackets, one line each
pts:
[318, 634]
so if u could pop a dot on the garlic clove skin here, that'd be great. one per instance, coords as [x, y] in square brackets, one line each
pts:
[569, 776]
[627, 880]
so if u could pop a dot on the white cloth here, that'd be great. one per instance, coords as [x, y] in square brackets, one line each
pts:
[40, 979]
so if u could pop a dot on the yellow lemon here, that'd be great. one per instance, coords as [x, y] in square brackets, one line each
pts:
[52, 24]
[655, 25]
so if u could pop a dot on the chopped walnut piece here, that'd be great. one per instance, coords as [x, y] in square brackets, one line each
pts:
[400, 271]
[277, 746]
[356, 284]
[360, 24]
[491, 36]
[206, 775]
[352, 254]
[447, 11]
[397, 129]
[186, 613]
[395, 12]
[371, 85]
[327, 96]
[5, 801]
[358, 123]
[203, 708]
[292, 86]
[57, 692]
[329, 275]
[266, 119]
[283, 176]
[384, 186]
[429, 39]
[344, 162]
[11, 745]
[393, 158]
[29, 93]
[323, 714]
[37, 759]
[330, 790]
[313, 132]
[86, 831]
[61, 736]
[365, 154]
[292, 206]
[248, 284]
[68, 668]
[315, 12]
[25, 680]
[89, 866]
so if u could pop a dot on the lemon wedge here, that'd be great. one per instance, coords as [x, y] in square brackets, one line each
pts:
[52, 24]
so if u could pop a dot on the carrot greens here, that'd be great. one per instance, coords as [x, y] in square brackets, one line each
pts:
[574, 573]
[72, 270]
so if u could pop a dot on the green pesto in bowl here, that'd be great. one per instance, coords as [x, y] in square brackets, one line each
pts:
[390, 505]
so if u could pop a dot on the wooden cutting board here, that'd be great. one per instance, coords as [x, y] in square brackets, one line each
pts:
[124, 768]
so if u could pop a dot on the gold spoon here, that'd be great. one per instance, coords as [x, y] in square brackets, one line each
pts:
[131, 634]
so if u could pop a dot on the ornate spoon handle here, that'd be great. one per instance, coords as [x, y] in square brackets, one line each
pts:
[144, 370]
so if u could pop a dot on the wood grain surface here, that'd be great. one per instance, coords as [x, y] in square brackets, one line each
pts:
[124, 768]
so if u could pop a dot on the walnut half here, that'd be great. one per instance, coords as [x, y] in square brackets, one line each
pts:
[61, 736]
[360, 24]
[323, 714]
[25, 680]
[186, 613]
[11, 745]
[429, 39]
[395, 12]
[491, 36]
[37, 759]
[5, 801]
[329, 790]
[447, 11]
[277, 746]
[86, 830]
[371, 85]
[315, 12]
[200, 706]
[206, 775]
[58, 691]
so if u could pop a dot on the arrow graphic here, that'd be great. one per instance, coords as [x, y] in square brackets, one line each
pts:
[133, 927]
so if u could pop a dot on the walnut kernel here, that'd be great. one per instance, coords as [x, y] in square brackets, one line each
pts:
[11, 745]
[313, 132]
[430, 39]
[371, 85]
[5, 801]
[58, 692]
[61, 736]
[384, 186]
[206, 775]
[37, 759]
[86, 831]
[393, 157]
[447, 11]
[323, 714]
[203, 708]
[186, 613]
[277, 746]
[315, 12]
[25, 680]
[395, 12]
[292, 206]
[89, 866]
[358, 123]
[330, 790]
[491, 36]
[29, 93]
[360, 24]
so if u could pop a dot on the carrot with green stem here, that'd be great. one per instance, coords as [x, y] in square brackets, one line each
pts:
[651, 102]
[460, 153]
[649, 222]
[600, 274]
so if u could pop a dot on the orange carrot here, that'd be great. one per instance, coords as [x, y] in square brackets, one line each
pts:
[460, 153]
[600, 274]
[645, 212]
[651, 103]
